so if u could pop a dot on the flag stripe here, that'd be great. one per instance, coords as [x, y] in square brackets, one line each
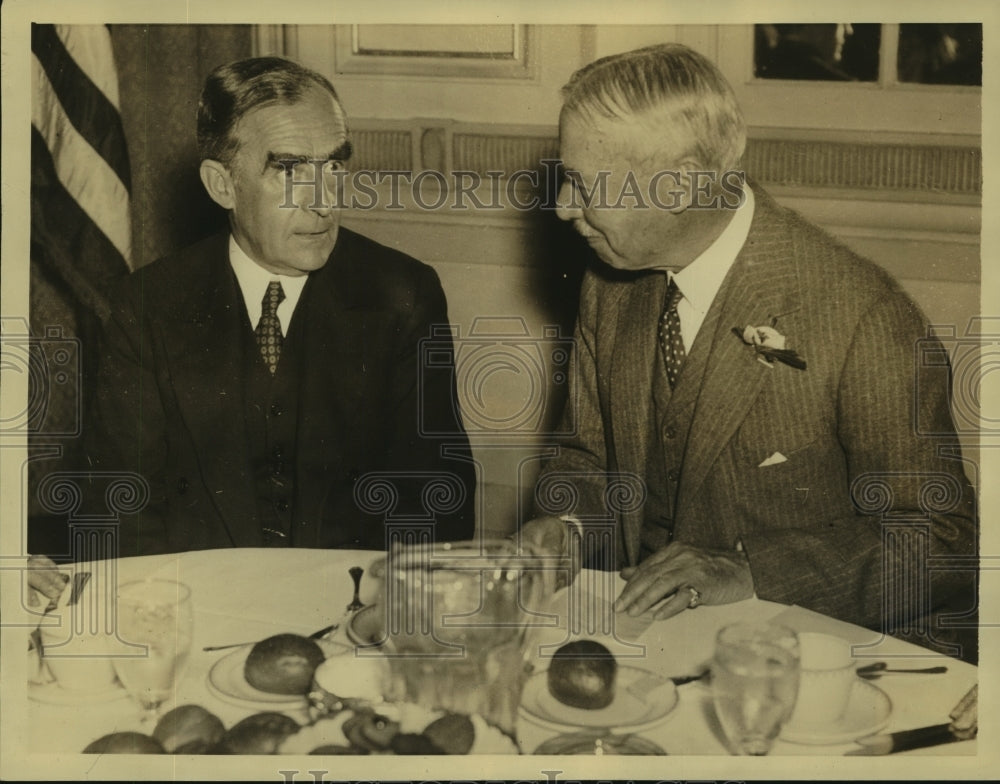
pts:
[84, 104]
[84, 173]
[65, 239]
[90, 46]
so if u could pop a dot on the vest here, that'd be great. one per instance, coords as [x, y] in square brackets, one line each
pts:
[672, 412]
[271, 411]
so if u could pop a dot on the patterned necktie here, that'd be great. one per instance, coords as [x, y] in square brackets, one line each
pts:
[670, 334]
[268, 331]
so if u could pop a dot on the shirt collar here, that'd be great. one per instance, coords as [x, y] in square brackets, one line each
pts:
[253, 280]
[701, 280]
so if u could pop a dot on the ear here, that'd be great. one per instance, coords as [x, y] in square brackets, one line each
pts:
[218, 181]
[689, 170]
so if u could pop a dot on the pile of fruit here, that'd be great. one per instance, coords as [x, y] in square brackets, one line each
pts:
[383, 729]
[350, 716]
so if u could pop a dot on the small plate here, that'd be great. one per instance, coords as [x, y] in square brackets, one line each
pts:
[868, 711]
[366, 627]
[227, 682]
[54, 694]
[599, 744]
[629, 710]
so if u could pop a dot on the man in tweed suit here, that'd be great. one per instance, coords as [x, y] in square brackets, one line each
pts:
[768, 423]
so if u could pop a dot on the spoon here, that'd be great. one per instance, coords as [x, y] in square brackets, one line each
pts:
[878, 669]
[356, 603]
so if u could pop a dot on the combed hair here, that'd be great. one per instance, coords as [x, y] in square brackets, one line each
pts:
[666, 86]
[234, 89]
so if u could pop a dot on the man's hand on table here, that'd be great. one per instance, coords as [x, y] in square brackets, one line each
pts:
[683, 573]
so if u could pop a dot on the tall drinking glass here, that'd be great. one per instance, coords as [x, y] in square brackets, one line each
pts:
[755, 680]
[154, 615]
[456, 615]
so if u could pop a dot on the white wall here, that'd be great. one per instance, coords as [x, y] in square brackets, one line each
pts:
[505, 265]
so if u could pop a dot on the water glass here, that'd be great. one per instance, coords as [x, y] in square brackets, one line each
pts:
[154, 616]
[755, 680]
[456, 616]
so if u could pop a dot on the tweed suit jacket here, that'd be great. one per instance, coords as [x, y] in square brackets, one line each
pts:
[170, 400]
[815, 527]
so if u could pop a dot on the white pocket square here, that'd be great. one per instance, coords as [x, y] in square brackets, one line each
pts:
[774, 459]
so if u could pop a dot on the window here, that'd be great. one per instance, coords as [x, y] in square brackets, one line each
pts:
[860, 82]
[887, 54]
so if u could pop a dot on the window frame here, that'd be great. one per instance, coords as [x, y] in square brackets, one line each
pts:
[883, 107]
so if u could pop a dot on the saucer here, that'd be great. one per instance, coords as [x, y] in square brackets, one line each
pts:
[867, 712]
[630, 710]
[53, 694]
[599, 744]
[227, 681]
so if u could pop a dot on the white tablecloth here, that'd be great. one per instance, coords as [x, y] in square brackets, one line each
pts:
[247, 594]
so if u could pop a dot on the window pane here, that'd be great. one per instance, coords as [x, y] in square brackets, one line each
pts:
[941, 53]
[826, 52]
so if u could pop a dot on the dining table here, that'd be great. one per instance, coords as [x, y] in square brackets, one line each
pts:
[244, 595]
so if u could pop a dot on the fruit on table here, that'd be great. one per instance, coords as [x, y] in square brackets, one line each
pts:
[370, 731]
[453, 733]
[398, 728]
[125, 743]
[582, 675]
[189, 729]
[414, 743]
[283, 664]
[261, 733]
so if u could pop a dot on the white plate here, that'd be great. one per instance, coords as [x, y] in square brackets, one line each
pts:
[54, 694]
[868, 711]
[628, 711]
[227, 682]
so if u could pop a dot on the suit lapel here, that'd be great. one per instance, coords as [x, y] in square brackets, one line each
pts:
[206, 366]
[762, 284]
[334, 371]
[632, 364]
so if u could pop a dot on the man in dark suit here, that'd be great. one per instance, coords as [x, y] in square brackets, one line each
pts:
[267, 382]
[749, 403]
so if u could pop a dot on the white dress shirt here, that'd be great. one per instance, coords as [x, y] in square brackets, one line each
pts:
[253, 280]
[700, 280]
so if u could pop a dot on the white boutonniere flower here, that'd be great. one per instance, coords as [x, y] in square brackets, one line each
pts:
[769, 345]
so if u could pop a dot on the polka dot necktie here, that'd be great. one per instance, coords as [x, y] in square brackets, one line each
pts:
[268, 331]
[670, 334]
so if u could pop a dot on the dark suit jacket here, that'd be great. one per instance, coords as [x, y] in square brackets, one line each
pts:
[170, 403]
[818, 529]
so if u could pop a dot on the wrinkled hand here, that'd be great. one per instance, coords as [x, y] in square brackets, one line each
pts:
[552, 536]
[44, 578]
[720, 576]
[965, 715]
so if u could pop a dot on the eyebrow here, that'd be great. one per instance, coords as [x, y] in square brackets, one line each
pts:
[342, 153]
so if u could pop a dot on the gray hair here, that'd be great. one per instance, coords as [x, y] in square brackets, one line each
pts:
[669, 88]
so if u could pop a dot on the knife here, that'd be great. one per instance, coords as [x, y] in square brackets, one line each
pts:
[890, 743]
[319, 634]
